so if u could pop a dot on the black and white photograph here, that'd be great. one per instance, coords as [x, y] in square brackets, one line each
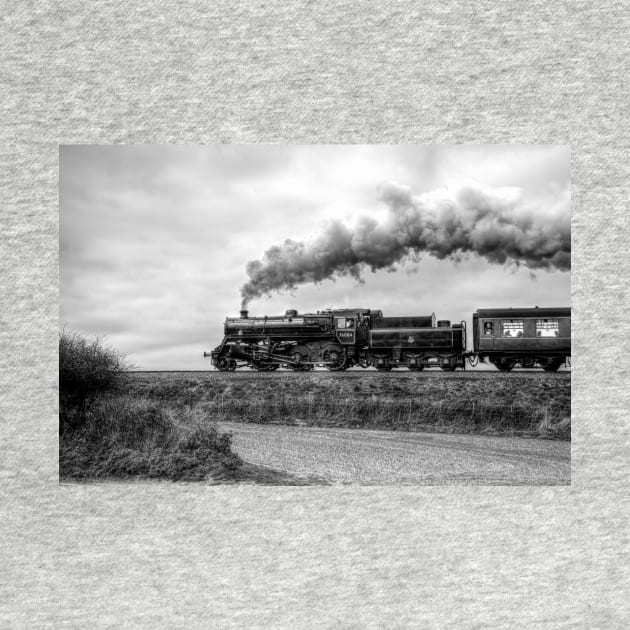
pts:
[315, 314]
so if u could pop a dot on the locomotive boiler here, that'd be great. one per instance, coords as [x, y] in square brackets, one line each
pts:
[339, 339]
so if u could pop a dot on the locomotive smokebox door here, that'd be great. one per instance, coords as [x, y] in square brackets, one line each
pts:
[345, 327]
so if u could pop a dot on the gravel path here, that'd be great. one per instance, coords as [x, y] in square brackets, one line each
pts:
[344, 456]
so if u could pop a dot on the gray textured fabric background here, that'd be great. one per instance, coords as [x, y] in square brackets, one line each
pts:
[330, 72]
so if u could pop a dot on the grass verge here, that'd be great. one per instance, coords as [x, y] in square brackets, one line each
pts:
[108, 432]
[120, 436]
[529, 407]
[402, 414]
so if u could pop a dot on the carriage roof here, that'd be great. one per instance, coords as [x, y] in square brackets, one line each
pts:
[524, 312]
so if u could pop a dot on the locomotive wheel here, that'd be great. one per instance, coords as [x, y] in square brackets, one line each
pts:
[335, 356]
[265, 366]
[553, 365]
[299, 354]
[413, 367]
[301, 368]
[504, 366]
[223, 364]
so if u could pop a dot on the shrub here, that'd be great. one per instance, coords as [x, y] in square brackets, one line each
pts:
[86, 368]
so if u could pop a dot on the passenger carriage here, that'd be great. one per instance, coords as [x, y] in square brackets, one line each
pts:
[523, 337]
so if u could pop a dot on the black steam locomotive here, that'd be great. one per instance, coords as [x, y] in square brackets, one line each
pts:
[339, 339]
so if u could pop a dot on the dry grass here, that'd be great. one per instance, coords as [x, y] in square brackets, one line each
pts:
[122, 436]
[531, 406]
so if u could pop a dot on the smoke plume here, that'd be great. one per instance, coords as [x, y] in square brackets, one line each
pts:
[498, 225]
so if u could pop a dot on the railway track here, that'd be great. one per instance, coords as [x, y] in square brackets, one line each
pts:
[393, 375]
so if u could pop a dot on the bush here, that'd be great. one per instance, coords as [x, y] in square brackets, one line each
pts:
[88, 367]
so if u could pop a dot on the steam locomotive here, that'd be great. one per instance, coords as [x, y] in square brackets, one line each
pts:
[339, 339]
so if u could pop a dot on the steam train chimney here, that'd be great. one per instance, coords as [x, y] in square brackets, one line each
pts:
[243, 314]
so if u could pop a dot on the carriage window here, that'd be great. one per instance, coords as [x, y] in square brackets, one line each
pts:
[340, 322]
[488, 328]
[349, 322]
[513, 328]
[547, 328]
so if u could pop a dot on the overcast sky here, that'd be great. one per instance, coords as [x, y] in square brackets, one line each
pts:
[154, 240]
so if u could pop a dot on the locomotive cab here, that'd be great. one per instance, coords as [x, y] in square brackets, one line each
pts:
[346, 330]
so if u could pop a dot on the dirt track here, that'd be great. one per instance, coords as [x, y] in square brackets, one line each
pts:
[346, 456]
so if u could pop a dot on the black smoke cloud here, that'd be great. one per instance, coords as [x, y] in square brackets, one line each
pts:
[498, 225]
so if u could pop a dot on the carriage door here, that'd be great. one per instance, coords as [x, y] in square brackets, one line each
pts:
[487, 333]
[346, 330]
